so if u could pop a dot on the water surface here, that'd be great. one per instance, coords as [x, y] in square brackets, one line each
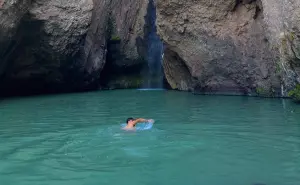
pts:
[75, 139]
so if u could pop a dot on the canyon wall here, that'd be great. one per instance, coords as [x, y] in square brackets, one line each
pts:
[246, 47]
[40, 41]
[62, 45]
[127, 44]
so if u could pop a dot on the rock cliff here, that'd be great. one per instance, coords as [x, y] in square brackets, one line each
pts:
[231, 46]
[127, 44]
[59, 45]
[11, 13]
[248, 47]
[283, 20]
[40, 41]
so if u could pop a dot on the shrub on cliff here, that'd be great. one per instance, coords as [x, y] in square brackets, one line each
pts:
[115, 38]
[295, 93]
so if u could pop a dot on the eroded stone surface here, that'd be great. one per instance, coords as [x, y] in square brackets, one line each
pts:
[227, 46]
[244, 47]
[47, 37]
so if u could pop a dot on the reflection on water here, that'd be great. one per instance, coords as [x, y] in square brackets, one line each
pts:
[214, 140]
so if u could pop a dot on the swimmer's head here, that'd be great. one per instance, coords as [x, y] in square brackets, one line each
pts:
[129, 120]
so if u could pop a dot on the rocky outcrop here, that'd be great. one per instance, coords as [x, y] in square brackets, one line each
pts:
[55, 45]
[127, 44]
[128, 23]
[282, 18]
[226, 46]
[176, 71]
[11, 14]
[41, 41]
[223, 46]
[93, 54]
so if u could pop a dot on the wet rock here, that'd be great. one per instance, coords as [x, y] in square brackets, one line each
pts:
[129, 27]
[11, 13]
[282, 18]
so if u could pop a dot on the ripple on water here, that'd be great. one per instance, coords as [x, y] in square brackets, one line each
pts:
[76, 139]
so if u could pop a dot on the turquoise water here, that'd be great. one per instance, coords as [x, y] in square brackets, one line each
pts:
[75, 139]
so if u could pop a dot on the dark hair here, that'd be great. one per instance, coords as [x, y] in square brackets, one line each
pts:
[129, 119]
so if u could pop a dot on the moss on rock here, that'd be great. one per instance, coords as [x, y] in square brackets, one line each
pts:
[265, 91]
[125, 81]
[115, 38]
[295, 93]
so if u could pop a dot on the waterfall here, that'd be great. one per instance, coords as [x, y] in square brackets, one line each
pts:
[154, 76]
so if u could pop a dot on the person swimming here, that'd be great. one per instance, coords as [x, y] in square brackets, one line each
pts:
[131, 122]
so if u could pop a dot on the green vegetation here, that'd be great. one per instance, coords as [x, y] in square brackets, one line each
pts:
[110, 26]
[261, 91]
[111, 30]
[284, 44]
[278, 67]
[295, 93]
[286, 39]
[291, 36]
[134, 81]
[265, 92]
[123, 81]
[115, 38]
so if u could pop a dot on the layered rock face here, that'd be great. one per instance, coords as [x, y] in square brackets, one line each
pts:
[222, 46]
[227, 46]
[59, 45]
[41, 41]
[127, 45]
[11, 13]
[283, 20]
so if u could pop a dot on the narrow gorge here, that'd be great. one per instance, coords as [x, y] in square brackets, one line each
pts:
[243, 47]
[109, 92]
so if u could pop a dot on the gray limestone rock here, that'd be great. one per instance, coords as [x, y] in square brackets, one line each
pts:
[229, 46]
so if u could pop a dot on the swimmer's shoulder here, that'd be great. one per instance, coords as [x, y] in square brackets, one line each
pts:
[128, 129]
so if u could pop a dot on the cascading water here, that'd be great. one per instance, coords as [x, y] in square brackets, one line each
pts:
[154, 76]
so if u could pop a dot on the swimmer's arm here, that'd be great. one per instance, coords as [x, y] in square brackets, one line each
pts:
[140, 120]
